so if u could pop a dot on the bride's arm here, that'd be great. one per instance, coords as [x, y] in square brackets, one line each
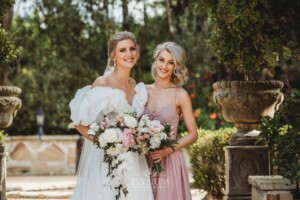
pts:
[185, 105]
[83, 130]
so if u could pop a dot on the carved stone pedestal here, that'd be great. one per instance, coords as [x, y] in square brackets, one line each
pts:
[2, 172]
[240, 162]
[9, 105]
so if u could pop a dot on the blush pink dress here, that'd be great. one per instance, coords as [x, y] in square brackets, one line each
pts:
[173, 182]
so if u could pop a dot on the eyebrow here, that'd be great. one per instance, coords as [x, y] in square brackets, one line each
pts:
[164, 59]
[128, 47]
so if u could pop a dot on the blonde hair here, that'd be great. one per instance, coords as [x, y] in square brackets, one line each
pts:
[112, 44]
[179, 76]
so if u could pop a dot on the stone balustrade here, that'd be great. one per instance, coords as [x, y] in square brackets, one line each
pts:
[271, 188]
[50, 155]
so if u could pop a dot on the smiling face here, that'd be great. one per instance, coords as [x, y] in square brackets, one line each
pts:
[165, 65]
[126, 54]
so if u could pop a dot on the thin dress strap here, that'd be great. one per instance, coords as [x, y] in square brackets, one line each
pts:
[175, 98]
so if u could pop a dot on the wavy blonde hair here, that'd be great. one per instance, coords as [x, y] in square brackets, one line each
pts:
[179, 76]
[112, 44]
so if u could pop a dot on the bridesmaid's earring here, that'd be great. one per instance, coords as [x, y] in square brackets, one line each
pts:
[174, 72]
[114, 63]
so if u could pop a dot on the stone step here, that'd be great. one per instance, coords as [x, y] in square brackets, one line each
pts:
[55, 194]
[53, 187]
[66, 195]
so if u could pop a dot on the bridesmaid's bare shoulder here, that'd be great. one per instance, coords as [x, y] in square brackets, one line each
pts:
[182, 95]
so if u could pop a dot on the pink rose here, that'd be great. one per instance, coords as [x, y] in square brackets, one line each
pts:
[128, 140]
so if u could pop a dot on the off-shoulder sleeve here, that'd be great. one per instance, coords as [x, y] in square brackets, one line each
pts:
[140, 99]
[90, 104]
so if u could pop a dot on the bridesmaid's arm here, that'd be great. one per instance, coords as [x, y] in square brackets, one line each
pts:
[83, 130]
[185, 105]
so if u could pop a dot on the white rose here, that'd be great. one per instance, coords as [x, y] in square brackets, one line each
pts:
[144, 130]
[91, 132]
[130, 121]
[127, 157]
[155, 126]
[120, 148]
[102, 141]
[94, 126]
[120, 134]
[141, 124]
[110, 135]
[145, 118]
[154, 142]
[163, 136]
[112, 151]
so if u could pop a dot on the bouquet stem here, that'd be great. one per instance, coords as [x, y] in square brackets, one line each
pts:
[157, 167]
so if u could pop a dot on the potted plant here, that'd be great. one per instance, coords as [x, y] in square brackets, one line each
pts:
[281, 133]
[253, 37]
[9, 101]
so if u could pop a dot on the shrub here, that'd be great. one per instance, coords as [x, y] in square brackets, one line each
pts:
[208, 159]
[282, 134]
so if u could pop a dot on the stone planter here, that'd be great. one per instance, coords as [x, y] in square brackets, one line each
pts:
[244, 103]
[9, 104]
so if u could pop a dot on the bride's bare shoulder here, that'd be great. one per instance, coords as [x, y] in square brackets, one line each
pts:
[100, 81]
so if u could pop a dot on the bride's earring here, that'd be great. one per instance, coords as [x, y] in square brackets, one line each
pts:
[114, 63]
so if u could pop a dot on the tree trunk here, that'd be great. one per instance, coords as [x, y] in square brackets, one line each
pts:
[170, 20]
[7, 21]
[105, 7]
[125, 25]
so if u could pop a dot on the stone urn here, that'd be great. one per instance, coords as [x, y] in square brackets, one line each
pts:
[244, 103]
[9, 104]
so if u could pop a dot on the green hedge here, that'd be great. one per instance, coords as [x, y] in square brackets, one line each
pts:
[208, 159]
[282, 134]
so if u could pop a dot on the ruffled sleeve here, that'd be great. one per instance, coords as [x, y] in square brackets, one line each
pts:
[90, 104]
[140, 99]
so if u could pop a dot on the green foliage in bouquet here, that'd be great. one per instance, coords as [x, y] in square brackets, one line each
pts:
[208, 159]
[282, 134]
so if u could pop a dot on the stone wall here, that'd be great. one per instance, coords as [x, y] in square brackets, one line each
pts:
[50, 155]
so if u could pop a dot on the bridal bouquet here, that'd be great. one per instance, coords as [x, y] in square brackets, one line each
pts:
[154, 135]
[116, 137]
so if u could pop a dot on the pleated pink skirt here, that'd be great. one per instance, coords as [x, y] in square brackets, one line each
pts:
[173, 182]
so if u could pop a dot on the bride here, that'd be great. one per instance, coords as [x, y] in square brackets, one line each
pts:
[111, 94]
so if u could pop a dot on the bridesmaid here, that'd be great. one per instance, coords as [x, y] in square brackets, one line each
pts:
[167, 102]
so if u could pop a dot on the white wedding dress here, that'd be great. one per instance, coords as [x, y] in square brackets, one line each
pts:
[89, 105]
